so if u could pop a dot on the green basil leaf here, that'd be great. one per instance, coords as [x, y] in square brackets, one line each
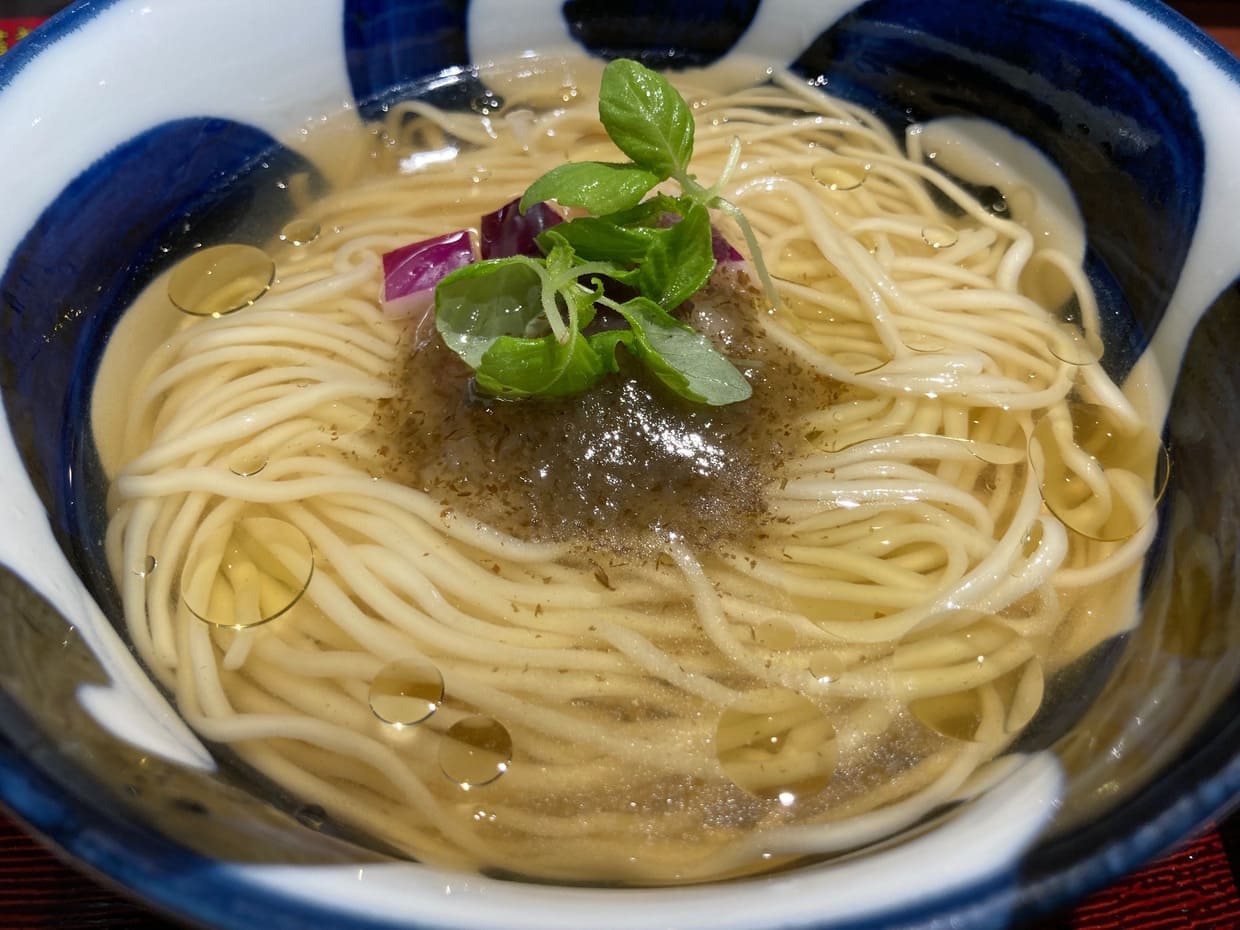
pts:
[679, 260]
[646, 118]
[682, 358]
[562, 286]
[584, 298]
[668, 263]
[599, 187]
[561, 256]
[478, 304]
[514, 367]
[649, 212]
[605, 343]
[518, 321]
[598, 239]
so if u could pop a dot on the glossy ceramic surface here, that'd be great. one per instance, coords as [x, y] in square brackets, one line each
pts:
[123, 118]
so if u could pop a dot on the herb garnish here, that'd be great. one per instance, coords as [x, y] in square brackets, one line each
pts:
[520, 322]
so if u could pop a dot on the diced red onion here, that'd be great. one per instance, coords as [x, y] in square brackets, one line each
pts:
[411, 272]
[508, 231]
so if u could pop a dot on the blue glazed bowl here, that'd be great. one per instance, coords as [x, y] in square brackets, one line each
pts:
[121, 120]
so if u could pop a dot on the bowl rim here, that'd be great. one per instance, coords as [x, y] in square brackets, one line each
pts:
[1203, 785]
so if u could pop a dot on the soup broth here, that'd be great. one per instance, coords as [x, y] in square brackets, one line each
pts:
[619, 637]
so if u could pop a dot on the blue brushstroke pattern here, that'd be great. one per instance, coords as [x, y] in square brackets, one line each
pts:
[395, 46]
[93, 249]
[660, 33]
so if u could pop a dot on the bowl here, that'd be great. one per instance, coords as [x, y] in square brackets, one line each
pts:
[125, 121]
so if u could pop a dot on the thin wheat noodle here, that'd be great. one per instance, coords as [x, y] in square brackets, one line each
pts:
[907, 552]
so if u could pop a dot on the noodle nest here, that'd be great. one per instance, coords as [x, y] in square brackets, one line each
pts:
[702, 713]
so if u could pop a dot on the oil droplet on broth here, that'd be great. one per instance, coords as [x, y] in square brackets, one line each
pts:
[300, 232]
[486, 103]
[406, 692]
[220, 280]
[1032, 541]
[1044, 282]
[1071, 344]
[859, 363]
[1102, 477]
[243, 463]
[311, 815]
[958, 715]
[345, 418]
[939, 237]
[246, 573]
[1021, 691]
[923, 342]
[826, 666]
[475, 751]
[774, 743]
[144, 566]
[774, 634]
[840, 173]
[827, 440]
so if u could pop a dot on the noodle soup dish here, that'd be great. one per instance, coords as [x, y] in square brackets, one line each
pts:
[536, 469]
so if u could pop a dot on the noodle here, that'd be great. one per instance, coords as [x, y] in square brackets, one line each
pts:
[698, 712]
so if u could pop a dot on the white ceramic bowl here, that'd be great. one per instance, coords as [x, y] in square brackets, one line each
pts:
[118, 118]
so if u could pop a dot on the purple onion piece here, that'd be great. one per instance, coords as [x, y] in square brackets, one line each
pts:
[725, 253]
[508, 232]
[411, 272]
